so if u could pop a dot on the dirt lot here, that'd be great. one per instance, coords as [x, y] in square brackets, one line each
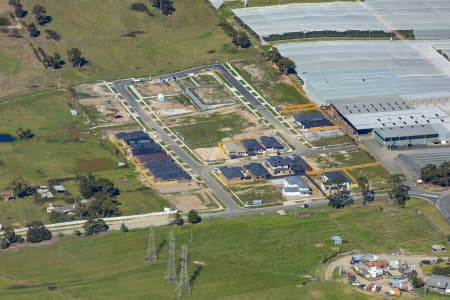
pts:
[93, 90]
[153, 88]
[218, 94]
[185, 196]
[113, 112]
[174, 105]
[214, 153]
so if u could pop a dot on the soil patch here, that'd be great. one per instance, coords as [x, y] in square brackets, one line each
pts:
[319, 245]
[316, 294]
[153, 88]
[93, 165]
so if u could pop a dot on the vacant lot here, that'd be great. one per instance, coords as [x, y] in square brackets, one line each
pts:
[61, 148]
[266, 80]
[258, 191]
[248, 257]
[333, 141]
[207, 130]
[166, 43]
[378, 176]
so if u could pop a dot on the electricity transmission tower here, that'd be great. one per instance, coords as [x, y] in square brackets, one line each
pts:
[183, 284]
[151, 248]
[171, 275]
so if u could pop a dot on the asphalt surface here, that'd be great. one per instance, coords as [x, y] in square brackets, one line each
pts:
[441, 200]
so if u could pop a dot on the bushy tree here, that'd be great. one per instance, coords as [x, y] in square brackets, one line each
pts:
[340, 199]
[53, 61]
[94, 226]
[165, 6]
[273, 55]
[37, 232]
[286, 66]
[242, 40]
[193, 217]
[90, 187]
[10, 235]
[18, 8]
[123, 227]
[24, 134]
[76, 58]
[21, 187]
[399, 190]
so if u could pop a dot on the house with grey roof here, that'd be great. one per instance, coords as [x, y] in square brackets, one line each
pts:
[439, 283]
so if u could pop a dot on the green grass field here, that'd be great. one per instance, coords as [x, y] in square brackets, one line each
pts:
[248, 257]
[61, 148]
[352, 158]
[207, 131]
[8, 64]
[378, 176]
[257, 191]
[168, 43]
[333, 141]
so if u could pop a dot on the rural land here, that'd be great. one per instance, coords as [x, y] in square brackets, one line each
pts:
[224, 149]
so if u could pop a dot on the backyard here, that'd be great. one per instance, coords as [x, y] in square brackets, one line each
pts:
[233, 252]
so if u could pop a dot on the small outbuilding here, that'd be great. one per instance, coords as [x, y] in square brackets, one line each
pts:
[337, 240]
[59, 188]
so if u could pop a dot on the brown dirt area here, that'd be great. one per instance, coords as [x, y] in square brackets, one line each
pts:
[153, 88]
[255, 72]
[319, 245]
[94, 165]
[214, 153]
[214, 94]
[185, 202]
[316, 294]
[94, 90]
[171, 107]
[108, 111]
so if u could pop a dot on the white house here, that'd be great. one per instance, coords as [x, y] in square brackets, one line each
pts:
[295, 186]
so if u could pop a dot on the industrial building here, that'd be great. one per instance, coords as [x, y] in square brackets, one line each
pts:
[405, 136]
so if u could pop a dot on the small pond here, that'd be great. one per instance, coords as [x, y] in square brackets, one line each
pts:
[6, 138]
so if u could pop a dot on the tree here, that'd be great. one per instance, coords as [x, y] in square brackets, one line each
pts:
[399, 191]
[75, 58]
[94, 226]
[18, 8]
[10, 235]
[193, 217]
[4, 243]
[25, 134]
[90, 187]
[273, 55]
[32, 29]
[363, 184]
[21, 187]
[165, 6]
[54, 61]
[340, 199]
[416, 281]
[242, 40]
[37, 232]
[123, 227]
[286, 66]
[39, 13]
[179, 219]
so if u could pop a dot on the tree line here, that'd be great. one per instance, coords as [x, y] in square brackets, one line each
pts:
[436, 175]
[285, 65]
[239, 37]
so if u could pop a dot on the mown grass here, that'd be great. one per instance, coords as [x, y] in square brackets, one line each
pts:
[8, 64]
[168, 43]
[247, 257]
[62, 148]
[207, 131]
[257, 191]
[352, 158]
[378, 176]
[333, 141]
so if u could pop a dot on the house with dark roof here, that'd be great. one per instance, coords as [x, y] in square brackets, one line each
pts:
[334, 180]
[145, 147]
[166, 170]
[256, 171]
[144, 158]
[252, 147]
[279, 165]
[271, 144]
[232, 174]
[131, 137]
[306, 121]
[438, 283]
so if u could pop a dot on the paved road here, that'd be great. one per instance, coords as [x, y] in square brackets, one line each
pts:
[442, 201]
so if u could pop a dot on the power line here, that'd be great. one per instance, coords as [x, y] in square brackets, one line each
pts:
[171, 275]
[151, 248]
[183, 284]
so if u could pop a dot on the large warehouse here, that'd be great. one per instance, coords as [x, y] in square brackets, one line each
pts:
[405, 136]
